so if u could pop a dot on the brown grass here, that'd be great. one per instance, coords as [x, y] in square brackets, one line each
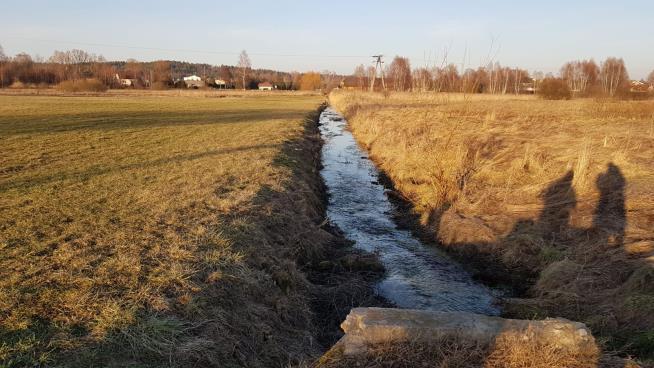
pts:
[507, 351]
[555, 198]
[160, 231]
[22, 90]
[82, 85]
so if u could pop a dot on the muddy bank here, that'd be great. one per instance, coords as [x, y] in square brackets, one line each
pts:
[321, 267]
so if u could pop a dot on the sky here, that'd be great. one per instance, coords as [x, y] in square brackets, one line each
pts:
[337, 35]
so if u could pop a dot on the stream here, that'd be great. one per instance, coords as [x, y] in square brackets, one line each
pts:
[417, 276]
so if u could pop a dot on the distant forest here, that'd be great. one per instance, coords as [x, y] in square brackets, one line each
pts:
[575, 79]
[579, 78]
[25, 71]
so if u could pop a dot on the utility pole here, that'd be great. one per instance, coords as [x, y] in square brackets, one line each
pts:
[377, 59]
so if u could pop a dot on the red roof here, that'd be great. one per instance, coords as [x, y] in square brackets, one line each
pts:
[265, 84]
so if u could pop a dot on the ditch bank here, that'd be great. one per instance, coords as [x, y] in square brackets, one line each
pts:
[296, 280]
[417, 276]
[309, 259]
[455, 322]
[341, 276]
[373, 121]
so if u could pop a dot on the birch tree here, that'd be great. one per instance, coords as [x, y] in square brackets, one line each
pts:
[244, 64]
[579, 75]
[400, 72]
[3, 59]
[360, 75]
[371, 73]
[613, 75]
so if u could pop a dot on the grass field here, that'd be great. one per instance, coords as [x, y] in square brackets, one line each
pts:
[156, 230]
[555, 198]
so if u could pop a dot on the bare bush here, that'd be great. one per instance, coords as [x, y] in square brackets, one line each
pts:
[554, 89]
[82, 85]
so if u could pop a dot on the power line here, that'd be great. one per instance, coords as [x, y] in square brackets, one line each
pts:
[182, 50]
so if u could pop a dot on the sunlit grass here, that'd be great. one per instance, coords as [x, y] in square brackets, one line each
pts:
[477, 169]
[114, 209]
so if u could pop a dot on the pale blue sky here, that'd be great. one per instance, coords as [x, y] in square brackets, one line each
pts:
[337, 35]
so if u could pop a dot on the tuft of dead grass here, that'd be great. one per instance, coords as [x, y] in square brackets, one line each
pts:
[507, 351]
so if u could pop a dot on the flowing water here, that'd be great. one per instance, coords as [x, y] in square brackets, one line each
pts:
[417, 276]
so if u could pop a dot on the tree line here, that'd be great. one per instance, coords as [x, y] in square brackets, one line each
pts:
[24, 71]
[576, 78]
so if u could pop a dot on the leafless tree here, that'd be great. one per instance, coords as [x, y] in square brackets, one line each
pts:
[360, 75]
[3, 59]
[474, 81]
[579, 75]
[650, 78]
[400, 73]
[244, 65]
[537, 77]
[329, 80]
[78, 56]
[447, 78]
[613, 75]
[371, 73]
[422, 79]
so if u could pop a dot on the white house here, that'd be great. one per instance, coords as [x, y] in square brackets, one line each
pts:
[193, 81]
[124, 82]
[265, 86]
[220, 83]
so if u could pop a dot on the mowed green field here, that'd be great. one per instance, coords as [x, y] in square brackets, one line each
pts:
[118, 213]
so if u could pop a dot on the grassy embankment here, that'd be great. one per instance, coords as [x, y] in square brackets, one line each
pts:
[166, 231]
[554, 198]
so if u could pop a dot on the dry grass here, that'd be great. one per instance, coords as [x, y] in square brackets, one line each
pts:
[83, 85]
[156, 231]
[553, 197]
[22, 90]
[507, 351]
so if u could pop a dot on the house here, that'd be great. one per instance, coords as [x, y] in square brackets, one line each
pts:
[125, 82]
[528, 87]
[265, 86]
[640, 87]
[194, 84]
[193, 81]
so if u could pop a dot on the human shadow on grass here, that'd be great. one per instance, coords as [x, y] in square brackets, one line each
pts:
[552, 229]
[610, 218]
